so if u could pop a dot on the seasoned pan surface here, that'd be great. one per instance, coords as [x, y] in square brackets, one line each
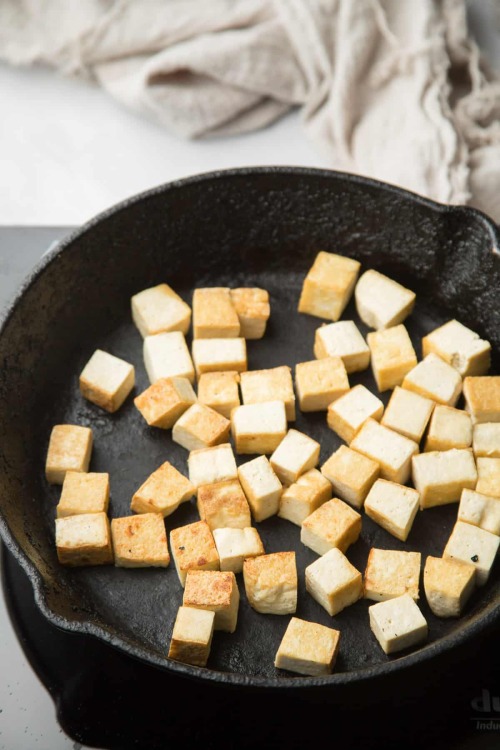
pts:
[259, 227]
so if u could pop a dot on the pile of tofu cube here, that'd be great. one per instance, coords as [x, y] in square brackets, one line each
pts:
[420, 451]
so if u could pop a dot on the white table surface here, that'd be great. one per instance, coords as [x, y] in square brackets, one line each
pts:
[67, 152]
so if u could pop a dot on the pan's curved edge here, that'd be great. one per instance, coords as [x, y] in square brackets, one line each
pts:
[98, 631]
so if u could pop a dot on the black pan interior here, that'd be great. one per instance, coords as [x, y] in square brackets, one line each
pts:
[249, 228]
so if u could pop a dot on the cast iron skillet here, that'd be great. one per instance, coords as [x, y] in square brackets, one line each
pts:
[252, 227]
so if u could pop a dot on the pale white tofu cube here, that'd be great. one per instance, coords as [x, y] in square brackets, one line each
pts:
[351, 474]
[271, 583]
[261, 486]
[470, 544]
[328, 285]
[448, 428]
[70, 448]
[162, 492]
[84, 539]
[214, 316]
[304, 496]
[224, 505]
[162, 403]
[140, 541]
[482, 398]
[392, 356]
[159, 309]
[253, 310]
[319, 382]
[397, 623]
[275, 384]
[480, 510]
[296, 454]
[210, 465]
[219, 391]
[440, 476]
[448, 585]
[393, 506]
[216, 592]
[193, 548]
[488, 476]
[462, 348]
[333, 524]
[486, 440]
[392, 451]
[258, 428]
[235, 545]
[391, 573]
[333, 582]
[408, 413]
[343, 340]
[436, 380]
[166, 356]
[106, 380]
[200, 427]
[380, 301]
[219, 355]
[192, 636]
[308, 648]
[348, 413]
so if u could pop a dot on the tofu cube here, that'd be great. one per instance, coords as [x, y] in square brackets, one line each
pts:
[308, 648]
[440, 476]
[166, 356]
[235, 545]
[258, 386]
[343, 340]
[84, 540]
[271, 583]
[140, 541]
[460, 347]
[159, 309]
[333, 582]
[219, 355]
[261, 486]
[328, 286]
[392, 356]
[200, 427]
[320, 382]
[107, 380]
[392, 451]
[436, 380]
[253, 310]
[258, 428]
[351, 474]
[216, 592]
[211, 465]
[333, 524]
[83, 493]
[224, 505]
[214, 316]
[162, 492]
[449, 428]
[192, 636]
[408, 413]
[486, 440]
[393, 506]
[296, 454]
[391, 573]
[193, 548]
[70, 447]
[381, 302]
[488, 476]
[165, 401]
[304, 496]
[480, 510]
[348, 413]
[397, 624]
[470, 544]
[482, 398]
[448, 585]
[219, 391]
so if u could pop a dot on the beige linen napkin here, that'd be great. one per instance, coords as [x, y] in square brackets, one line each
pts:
[392, 89]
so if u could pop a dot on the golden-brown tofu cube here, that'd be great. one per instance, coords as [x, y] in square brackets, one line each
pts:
[351, 474]
[436, 380]
[333, 524]
[392, 356]
[408, 413]
[165, 401]
[192, 636]
[308, 648]
[488, 476]
[83, 493]
[328, 286]
[449, 428]
[271, 583]
[140, 541]
[343, 340]
[159, 309]
[392, 451]
[348, 413]
[482, 398]
[219, 355]
[470, 544]
[320, 382]
[84, 540]
[333, 582]
[219, 391]
[70, 447]
[107, 380]
[460, 347]
[304, 496]
[224, 505]
[193, 548]
[381, 302]
[214, 316]
[253, 310]
[393, 506]
[486, 440]
[214, 591]
[200, 427]
[480, 510]
[166, 356]
[235, 545]
[440, 476]
[296, 454]
[258, 428]
[391, 573]
[162, 492]
[210, 465]
[448, 585]
[261, 486]
[258, 386]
